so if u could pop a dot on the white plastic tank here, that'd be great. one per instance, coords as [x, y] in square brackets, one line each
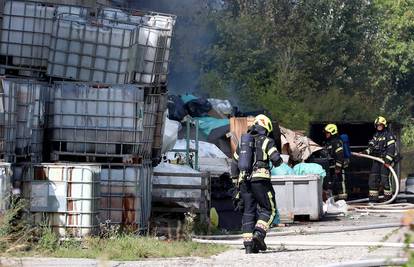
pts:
[69, 196]
[5, 185]
[25, 116]
[91, 50]
[122, 196]
[89, 119]
[154, 44]
[26, 31]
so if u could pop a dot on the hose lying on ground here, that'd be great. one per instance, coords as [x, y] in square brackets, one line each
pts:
[370, 263]
[394, 175]
[309, 243]
[313, 232]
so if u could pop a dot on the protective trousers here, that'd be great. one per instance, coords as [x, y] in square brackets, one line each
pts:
[380, 175]
[259, 207]
[338, 183]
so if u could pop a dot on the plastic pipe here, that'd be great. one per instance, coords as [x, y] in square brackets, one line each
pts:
[309, 243]
[380, 211]
[315, 232]
[370, 263]
[394, 175]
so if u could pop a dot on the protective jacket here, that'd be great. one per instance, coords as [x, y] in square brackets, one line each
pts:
[383, 145]
[335, 148]
[265, 152]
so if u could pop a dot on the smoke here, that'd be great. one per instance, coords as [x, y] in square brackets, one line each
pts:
[193, 35]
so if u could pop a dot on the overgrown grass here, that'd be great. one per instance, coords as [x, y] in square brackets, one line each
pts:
[19, 239]
[133, 248]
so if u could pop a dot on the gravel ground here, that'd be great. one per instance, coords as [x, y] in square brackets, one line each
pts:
[275, 256]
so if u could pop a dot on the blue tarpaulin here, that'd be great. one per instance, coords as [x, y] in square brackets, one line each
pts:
[309, 168]
[208, 124]
[283, 169]
[188, 97]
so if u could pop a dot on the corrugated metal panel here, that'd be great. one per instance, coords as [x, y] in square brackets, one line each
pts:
[90, 120]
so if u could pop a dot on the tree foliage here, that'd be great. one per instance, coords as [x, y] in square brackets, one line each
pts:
[309, 60]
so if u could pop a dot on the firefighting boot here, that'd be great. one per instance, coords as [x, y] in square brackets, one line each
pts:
[373, 196]
[387, 195]
[258, 240]
[250, 247]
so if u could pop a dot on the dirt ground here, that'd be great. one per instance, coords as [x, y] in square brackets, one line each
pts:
[275, 256]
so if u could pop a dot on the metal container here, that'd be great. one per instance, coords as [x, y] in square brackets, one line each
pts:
[179, 189]
[298, 196]
[25, 118]
[66, 196]
[125, 195]
[26, 30]
[91, 50]
[5, 185]
[87, 119]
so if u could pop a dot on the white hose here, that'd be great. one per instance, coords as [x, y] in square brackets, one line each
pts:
[394, 175]
[309, 243]
[307, 232]
[380, 211]
[370, 263]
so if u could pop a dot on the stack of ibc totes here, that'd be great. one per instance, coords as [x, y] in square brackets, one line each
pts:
[112, 125]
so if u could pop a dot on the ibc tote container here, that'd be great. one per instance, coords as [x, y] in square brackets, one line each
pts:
[153, 49]
[89, 120]
[66, 196]
[91, 49]
[126, 195]
[25, 118]
[5, 185]
[26, 30]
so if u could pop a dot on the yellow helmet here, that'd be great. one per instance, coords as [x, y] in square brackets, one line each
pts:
[381, 120]
[264, 121]
[331, 128]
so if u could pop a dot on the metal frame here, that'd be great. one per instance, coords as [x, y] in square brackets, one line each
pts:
[94, 140]
[188, 149]
[204, 201]
[116, 190]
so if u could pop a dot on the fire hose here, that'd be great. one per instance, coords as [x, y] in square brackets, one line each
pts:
[394, 175]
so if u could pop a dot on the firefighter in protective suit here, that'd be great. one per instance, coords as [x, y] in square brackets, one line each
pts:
[256, 190]
[338, 163]
[382, 145]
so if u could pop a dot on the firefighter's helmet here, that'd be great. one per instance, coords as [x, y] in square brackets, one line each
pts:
[264, 121]
[331, 128]
[381, 120]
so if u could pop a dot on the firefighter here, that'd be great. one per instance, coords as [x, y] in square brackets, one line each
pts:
[338, 163]
[256, 191]
[382, 145]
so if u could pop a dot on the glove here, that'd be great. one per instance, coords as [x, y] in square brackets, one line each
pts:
[238, 205]
[337, 170]
[238, 202]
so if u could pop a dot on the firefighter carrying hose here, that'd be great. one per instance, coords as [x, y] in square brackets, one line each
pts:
[338, 163]
[251, 172]
[382, 145]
